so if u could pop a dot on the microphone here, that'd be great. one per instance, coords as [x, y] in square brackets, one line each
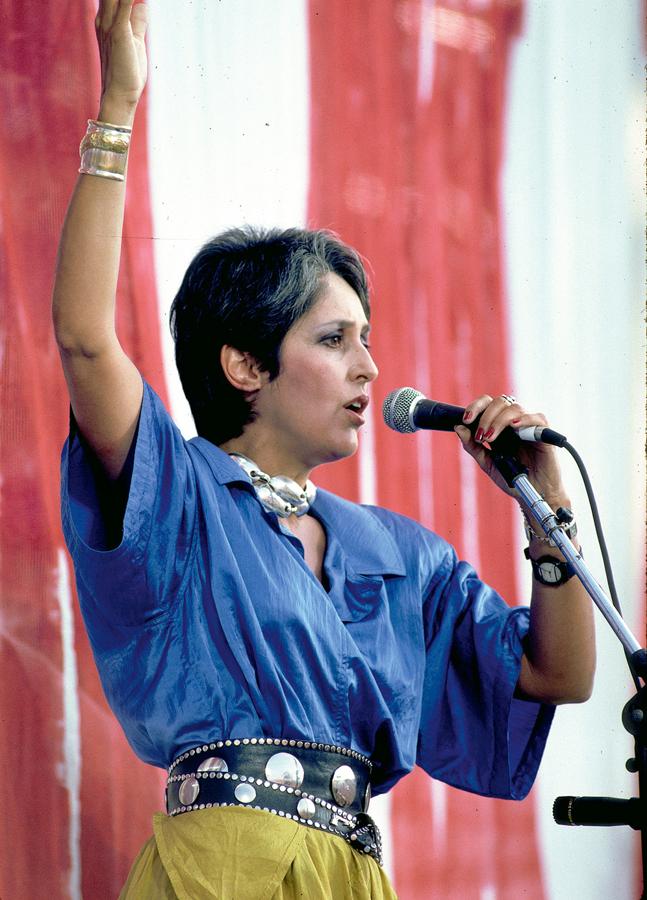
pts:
[597, 811]
[407, 410]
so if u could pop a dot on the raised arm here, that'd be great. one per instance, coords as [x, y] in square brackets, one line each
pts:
[104, 385]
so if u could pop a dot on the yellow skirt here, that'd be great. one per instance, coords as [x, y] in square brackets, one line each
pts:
[234, 853]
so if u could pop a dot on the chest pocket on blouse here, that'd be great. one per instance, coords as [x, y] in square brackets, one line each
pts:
[361, 556]
[362, 597]
[357, 596]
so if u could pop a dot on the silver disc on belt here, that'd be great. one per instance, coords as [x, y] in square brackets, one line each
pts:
[189, 790]
[245, 793]
[213, 764]
[306, 808]
[344, 785]
[284, 768]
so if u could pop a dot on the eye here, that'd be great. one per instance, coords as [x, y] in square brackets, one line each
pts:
[366, 342]
[333, 340]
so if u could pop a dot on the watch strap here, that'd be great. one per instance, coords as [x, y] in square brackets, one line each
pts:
[550, 571]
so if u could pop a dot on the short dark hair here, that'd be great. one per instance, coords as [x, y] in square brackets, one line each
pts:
[246, 288]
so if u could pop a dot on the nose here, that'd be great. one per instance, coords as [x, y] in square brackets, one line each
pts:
[364, 367]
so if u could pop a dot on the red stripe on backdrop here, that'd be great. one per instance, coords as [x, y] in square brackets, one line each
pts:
[48, 86]
[406, 141]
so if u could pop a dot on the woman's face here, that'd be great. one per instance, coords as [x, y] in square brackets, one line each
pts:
[311, 412]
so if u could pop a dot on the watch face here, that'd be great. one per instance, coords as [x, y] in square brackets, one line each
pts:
[550, 572]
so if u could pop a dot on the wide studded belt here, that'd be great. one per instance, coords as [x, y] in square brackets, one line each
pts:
[318, 785]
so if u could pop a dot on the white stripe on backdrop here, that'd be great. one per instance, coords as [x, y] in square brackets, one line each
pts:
[229, 144]
[228, 135]
[575, 212]
[69, 771]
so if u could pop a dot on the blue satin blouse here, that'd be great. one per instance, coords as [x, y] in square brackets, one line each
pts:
[206, 622]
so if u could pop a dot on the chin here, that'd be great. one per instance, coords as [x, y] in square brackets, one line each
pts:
[342, 451]
[330, 454]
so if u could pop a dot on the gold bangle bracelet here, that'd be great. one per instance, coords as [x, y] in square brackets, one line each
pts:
[101, 140]
[104, 150]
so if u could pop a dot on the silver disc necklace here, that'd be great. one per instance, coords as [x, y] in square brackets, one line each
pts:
[278, 493]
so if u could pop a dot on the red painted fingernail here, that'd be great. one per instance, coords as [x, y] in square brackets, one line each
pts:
[516, 421]
[479, 434]
[468, 416]
[488, 434]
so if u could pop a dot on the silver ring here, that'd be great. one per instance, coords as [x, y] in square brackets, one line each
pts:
[508, 399]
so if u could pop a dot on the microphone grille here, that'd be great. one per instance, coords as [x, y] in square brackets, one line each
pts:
[396, 409]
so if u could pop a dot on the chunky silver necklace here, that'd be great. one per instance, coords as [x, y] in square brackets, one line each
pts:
[278, 494]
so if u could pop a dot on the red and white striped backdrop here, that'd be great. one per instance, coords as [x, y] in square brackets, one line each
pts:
[470, 150]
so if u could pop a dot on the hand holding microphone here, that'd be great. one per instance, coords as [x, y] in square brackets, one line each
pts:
[407, 410]
[500, 423]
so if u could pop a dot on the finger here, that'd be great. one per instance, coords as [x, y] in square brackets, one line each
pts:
[477, 451]
[469, 443]
[512, 416]
[124, 8]
[525, 420]
[464, 434]
[499, 414]
[139, 20]
[106, 14]
[485, 408]
[476, 407]
[466, 438]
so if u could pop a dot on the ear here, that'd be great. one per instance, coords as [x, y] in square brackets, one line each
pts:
[241, 370]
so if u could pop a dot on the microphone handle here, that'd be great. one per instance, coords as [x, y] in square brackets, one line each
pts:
[598, 811]
[436, 416]
[444, 417]
[439, 416]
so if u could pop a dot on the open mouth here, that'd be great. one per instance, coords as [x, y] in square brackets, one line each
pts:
[358, 405]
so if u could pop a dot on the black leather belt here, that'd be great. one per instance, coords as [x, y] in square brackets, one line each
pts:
[318, 785]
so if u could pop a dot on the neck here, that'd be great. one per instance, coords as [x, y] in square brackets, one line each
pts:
[268, 458]
[277, 493]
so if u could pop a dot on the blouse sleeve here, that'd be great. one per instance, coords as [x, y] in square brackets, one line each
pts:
[136, 581]
[474, 734]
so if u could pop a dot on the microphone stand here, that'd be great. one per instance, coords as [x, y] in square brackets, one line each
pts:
[604, 811]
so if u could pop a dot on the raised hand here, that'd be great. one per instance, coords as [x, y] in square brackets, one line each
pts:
[121, 30]
[541, 460]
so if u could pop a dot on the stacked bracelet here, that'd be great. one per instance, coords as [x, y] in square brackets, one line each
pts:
[104, 150]
[548, 570]
[566, 523]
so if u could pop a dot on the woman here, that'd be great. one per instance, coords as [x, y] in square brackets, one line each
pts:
[282, 651]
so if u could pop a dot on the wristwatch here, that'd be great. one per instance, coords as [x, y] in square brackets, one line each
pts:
[550, 571]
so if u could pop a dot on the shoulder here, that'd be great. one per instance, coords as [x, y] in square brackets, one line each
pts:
[404, 526]
[434, 557]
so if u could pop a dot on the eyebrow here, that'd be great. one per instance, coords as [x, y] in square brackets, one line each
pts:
[344, 323]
